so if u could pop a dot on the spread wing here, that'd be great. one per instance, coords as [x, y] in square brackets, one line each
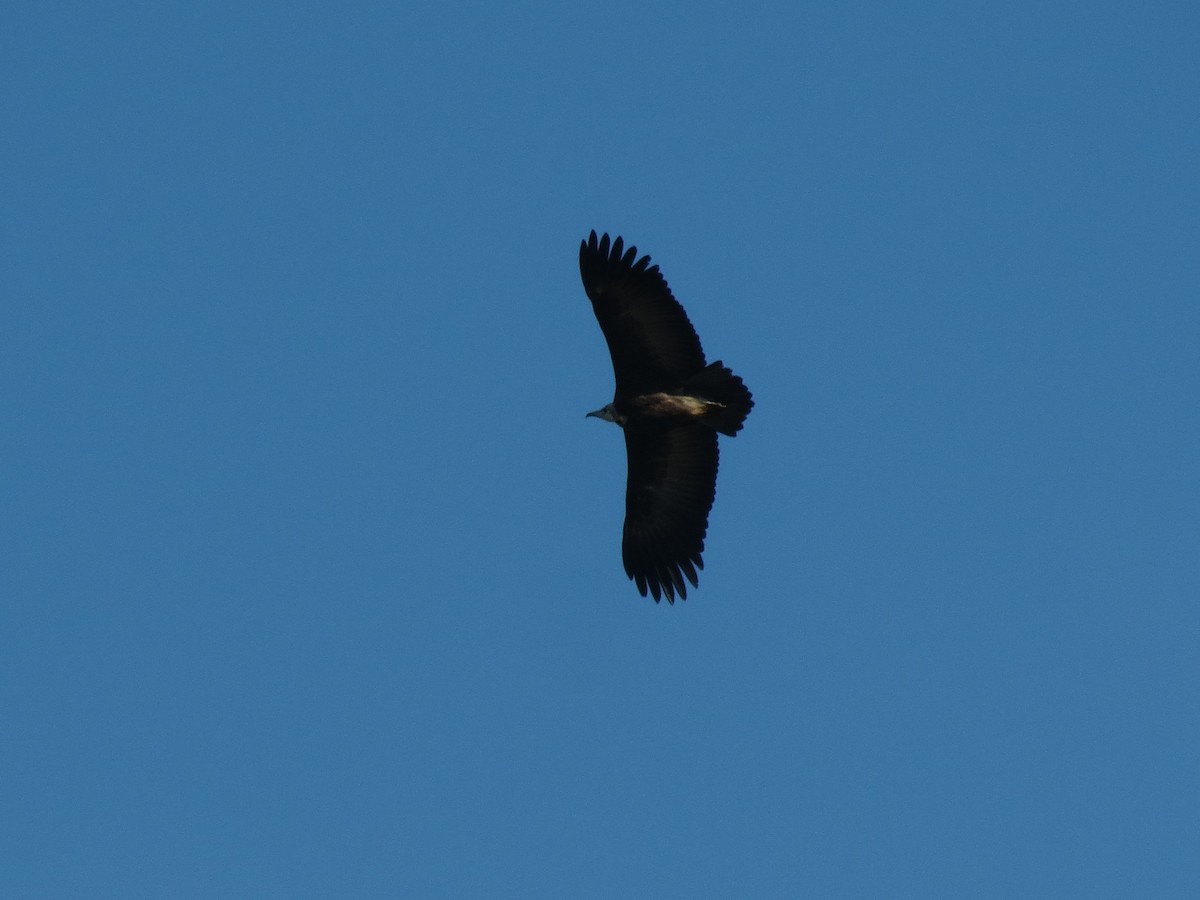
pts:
[672, 482]
[652, 343]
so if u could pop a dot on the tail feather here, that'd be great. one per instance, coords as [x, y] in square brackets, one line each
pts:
[722, 387]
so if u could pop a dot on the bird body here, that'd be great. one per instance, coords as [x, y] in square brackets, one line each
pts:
[671, 405]
[659, 405]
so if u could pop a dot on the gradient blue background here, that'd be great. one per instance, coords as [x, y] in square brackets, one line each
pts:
[310, 561]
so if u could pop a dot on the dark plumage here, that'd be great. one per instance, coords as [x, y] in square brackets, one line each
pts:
[671, 404]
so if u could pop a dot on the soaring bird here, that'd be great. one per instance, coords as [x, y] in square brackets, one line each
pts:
[671, 404]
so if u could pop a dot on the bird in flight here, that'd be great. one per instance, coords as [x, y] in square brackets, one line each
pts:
[671, 404]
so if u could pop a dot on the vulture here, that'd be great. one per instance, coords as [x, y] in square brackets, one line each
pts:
[671, 404]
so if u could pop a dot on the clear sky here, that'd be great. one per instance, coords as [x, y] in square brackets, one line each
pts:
[310, 579]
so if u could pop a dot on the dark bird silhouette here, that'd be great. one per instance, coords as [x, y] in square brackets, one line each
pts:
[671, 404]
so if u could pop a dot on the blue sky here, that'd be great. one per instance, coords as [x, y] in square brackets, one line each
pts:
[311, 578]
